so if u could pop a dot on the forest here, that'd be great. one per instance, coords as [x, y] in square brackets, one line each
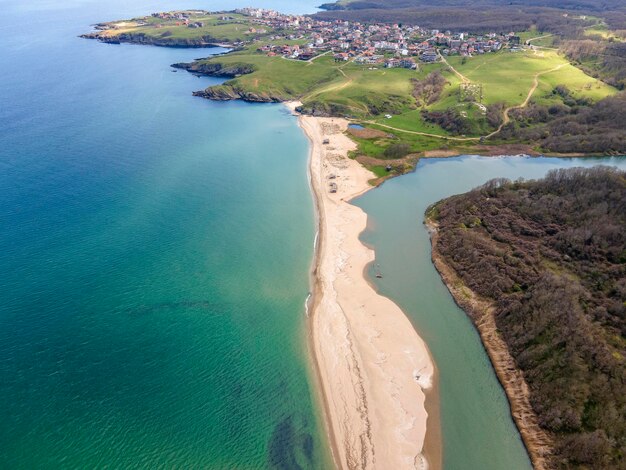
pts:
[551, 257]
[575, 126]
[484, 15]
[499, 19]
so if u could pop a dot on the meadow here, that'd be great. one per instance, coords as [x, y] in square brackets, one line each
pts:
[236, 28]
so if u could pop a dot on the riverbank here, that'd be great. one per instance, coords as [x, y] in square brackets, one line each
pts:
[375, 371]
[537, 442]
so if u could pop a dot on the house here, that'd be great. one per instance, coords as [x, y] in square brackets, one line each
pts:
[408, 64]
[429, 56]
[392, 63]
[514, 40]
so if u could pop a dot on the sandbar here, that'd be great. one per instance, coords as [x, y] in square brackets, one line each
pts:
[374, 369]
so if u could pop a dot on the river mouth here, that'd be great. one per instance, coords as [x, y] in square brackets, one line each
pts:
[477, 429]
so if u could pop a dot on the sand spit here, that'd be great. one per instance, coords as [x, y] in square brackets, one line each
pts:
[372, 365]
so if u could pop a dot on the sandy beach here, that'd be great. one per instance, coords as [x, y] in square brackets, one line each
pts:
[373, 367]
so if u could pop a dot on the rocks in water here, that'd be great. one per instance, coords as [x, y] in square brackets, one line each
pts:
[228, 93]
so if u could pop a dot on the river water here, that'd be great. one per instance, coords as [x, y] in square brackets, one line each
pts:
[477, 430]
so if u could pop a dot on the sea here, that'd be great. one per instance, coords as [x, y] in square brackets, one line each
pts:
[155, 251]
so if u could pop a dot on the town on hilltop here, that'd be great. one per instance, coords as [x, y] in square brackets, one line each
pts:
[391, 46]
[394, 45]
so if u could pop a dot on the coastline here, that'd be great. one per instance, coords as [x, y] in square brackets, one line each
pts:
[538, 444]
[374, 370]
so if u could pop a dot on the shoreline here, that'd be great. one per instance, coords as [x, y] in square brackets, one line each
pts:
[373, 369]
[481, 312]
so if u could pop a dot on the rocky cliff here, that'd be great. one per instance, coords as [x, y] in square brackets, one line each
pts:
[229, 92]
[216, 69]
[141, 38]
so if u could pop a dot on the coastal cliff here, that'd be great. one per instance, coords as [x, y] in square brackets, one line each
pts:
[216, 69]
[146, 40]
[228, 92]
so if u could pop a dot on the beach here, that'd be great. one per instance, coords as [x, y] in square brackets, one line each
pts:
[373, 368]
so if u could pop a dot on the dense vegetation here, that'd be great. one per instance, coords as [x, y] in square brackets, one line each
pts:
[575, 126]
[585, 5]
[551, 255]
[486, 15]
[428, 90]
[599, 58]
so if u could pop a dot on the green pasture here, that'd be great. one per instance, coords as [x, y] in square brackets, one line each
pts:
[289, 79]
[508, 76]
[362, 90]
[233, 30]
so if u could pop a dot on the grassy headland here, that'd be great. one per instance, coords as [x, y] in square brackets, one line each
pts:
[189, 28]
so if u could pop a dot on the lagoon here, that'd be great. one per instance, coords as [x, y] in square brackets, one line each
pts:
[477, 430]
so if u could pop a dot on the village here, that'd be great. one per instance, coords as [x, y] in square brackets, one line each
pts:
[391, 46]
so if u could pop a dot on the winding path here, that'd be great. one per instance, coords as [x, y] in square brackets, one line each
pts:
[506, 119]
[463, 139]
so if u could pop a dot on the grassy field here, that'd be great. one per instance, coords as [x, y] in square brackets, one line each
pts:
[277, 76]
[580, 84]
[604, 32]
[364, 91]
[381, 98]
[370, 93]
[508, 76]
[232, 30]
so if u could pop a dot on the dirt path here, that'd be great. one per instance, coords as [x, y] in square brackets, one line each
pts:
[529, 41]
[463, 78]
[313, 59]
[336, 87]
[339, 86]
[462, 139]
[506, 119]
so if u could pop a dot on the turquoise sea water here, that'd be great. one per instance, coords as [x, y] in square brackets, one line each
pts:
[154, 252]
[478, 432]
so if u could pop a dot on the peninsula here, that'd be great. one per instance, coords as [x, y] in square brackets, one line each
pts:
[374, 368]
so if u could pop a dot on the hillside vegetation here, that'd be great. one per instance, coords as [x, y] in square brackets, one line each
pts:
[551, 257]
[485, 15]
[525, 98]
[210, 29]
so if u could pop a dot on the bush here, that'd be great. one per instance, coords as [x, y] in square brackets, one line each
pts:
[397, 150]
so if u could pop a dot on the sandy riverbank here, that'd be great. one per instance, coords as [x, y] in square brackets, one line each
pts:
[481, 311]
[373, 367]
